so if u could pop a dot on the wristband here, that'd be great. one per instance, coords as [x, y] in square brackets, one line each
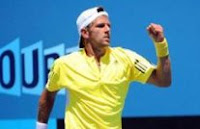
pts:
[161, 48]
[40, 125]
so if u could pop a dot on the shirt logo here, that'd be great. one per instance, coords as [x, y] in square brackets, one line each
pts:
[139, 66]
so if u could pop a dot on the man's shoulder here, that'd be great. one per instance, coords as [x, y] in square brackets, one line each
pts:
[69, 57]
[120, 51]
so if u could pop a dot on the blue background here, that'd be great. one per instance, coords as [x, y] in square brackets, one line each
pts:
[53, 23]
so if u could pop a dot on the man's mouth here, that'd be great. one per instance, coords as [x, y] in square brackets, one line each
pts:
[107, 37]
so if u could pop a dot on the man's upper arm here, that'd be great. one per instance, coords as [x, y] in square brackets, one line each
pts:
[55, 76]
[152, 78]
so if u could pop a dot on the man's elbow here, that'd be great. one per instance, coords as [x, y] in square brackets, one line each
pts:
[164, 83]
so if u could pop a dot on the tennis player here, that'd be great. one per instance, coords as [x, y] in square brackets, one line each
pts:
[98, 76]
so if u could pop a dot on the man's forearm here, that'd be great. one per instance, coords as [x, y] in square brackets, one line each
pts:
[163, 71]
[161, 76]
[45, 106]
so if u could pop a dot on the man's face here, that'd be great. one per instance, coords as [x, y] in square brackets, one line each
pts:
[99, 32]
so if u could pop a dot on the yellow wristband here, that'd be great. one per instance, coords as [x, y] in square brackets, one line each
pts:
[161, 48]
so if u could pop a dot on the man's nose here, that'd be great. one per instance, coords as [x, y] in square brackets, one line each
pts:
[107, 28]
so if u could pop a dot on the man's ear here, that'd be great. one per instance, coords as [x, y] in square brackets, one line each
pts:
[85, 33]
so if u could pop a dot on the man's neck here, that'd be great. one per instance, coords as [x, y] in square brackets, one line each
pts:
[96, 52]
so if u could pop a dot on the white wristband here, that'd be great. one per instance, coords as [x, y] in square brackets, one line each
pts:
[40, 125]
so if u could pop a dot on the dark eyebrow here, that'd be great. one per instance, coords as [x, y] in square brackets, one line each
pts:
[102, 25]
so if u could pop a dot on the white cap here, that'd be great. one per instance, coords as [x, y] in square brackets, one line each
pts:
[87, 17]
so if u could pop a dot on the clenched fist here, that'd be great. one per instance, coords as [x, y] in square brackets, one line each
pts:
[156, 32]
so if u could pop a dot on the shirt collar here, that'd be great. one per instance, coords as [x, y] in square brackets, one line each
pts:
[106, 58]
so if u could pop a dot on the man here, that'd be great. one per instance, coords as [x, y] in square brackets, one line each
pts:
[98, 76]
